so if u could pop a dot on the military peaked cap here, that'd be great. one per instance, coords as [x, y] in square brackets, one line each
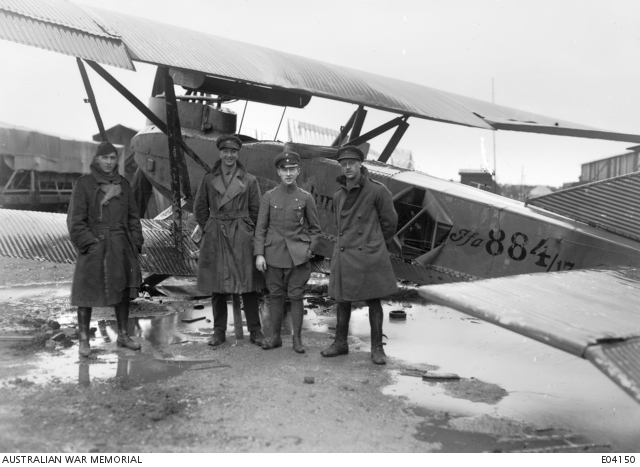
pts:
[287, 159]
[230, 141]
[105, 147]
[350, 152]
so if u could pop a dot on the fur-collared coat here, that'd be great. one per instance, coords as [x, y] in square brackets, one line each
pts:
[108, 239]
[228, 217]
[366, 222]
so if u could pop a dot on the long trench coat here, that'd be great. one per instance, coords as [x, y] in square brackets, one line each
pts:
[360, 265]
[228, 217]
[107, 269]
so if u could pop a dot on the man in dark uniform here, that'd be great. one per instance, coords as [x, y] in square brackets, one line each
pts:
[286, 235]
[226, 208]
[360, 266]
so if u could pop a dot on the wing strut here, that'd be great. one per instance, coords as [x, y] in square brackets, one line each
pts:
[92, 99]
[177, 164]
[395, 139]
[145, 111]
[381, 129]
[357, 126]
[344, 130]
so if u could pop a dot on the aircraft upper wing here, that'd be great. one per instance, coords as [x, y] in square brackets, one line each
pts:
[117, 39]
[44, 236]
[591, 313]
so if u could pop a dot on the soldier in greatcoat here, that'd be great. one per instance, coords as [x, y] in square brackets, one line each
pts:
[287, 233]
[226, 208]
[105, 228]
[360, 266]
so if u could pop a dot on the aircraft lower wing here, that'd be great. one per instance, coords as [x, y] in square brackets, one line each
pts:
[44, 236]
[591, 313]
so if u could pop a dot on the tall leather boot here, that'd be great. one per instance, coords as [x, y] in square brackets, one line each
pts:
[276, 308]
[122, 316]
[297, 315]
[219, 307]
[375, 320]
[340, 345]
[252, 313]
[84, 317]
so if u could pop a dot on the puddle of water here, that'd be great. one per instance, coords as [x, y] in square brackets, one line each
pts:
[164, 330]
[547, 387]
[41, 291]
[65, 367]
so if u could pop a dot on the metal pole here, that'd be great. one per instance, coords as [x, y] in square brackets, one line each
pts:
[275, 138]
[242, 119]
[495, 169]
[92, 99]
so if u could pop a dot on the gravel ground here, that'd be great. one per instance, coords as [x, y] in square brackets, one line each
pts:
[234, 398]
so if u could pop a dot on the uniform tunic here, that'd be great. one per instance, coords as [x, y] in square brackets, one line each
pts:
[287, 227]
[108, 239]
[227, 216]
[366, 221]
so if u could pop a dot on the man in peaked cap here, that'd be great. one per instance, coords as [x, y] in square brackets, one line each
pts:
[360, 266]
[286, 234]
[226, 208]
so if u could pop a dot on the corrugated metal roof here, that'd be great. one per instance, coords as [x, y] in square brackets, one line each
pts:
[612, 204]
[575, 311]
[164, 44]
[44, 236]
[61, 26]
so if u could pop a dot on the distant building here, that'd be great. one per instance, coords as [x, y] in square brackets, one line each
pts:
[614, 166]
[38, 170]
[478, 179]
[539, 191]
[308, 133]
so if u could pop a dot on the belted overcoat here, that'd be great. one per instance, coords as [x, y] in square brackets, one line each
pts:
[366, 222]
[108, 239]
[228, 217]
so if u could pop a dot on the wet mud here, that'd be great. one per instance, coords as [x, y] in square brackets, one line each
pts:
[179, 394]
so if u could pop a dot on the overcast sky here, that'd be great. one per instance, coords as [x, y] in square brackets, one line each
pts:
[573, 60]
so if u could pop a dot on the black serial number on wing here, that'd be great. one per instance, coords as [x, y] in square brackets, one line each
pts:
[516, 247]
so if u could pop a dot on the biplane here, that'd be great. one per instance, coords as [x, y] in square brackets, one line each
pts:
[562, 268]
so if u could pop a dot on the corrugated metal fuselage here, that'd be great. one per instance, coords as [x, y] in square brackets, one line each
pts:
[449, 232]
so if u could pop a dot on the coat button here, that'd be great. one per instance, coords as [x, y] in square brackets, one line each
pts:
[359, 248]
[341, 233]
[342, 249]
[360, 232]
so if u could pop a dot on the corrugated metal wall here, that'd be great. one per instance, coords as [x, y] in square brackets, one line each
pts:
[44, 236]
[612, 204]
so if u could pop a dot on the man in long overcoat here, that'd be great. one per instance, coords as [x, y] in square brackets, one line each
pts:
[105, 228]
[226, 208]
[360, 266]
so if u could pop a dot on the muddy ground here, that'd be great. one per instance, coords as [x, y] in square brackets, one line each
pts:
[189, 396]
